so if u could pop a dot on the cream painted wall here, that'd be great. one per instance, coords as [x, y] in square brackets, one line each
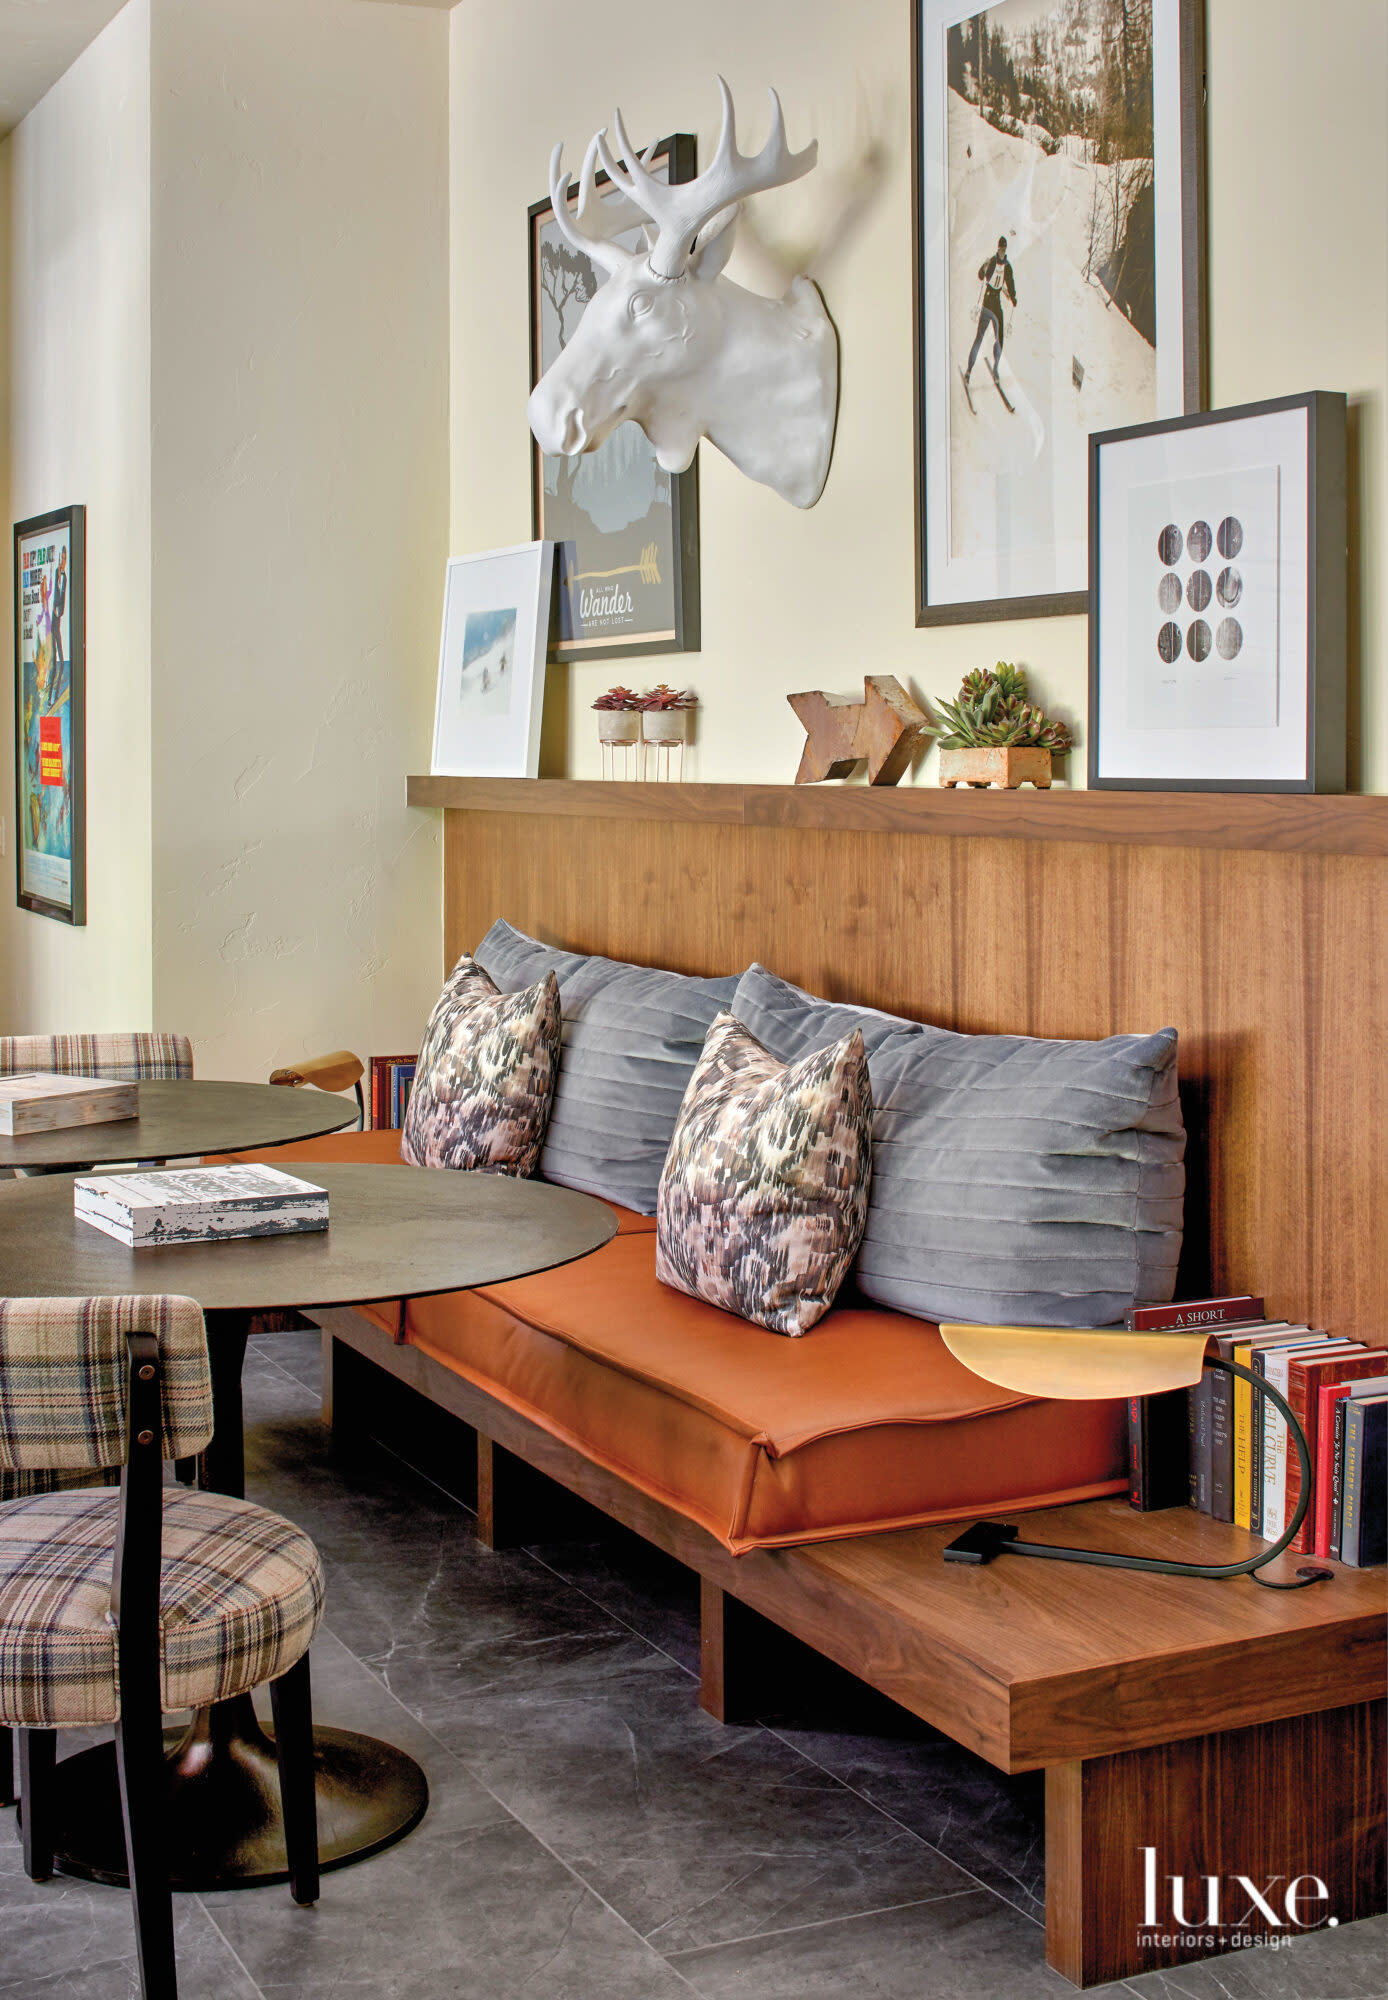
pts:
[300, 423]
[1299, 300]
[78, 377]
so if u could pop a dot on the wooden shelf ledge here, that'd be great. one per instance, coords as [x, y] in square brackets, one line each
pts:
[1297, 823]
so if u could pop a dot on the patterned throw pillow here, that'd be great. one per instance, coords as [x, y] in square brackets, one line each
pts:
[485, 1078]
[765, 1189]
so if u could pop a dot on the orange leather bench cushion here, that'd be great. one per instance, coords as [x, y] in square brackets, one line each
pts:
[866, 1422]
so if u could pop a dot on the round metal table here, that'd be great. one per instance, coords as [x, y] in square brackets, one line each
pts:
[393, 1232]
[183, 1120]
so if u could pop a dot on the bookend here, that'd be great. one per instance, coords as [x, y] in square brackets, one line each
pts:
[987, 1539]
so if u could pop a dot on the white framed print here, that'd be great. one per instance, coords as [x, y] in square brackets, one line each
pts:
[1217, 601]
[1059, 276]
[492, 663]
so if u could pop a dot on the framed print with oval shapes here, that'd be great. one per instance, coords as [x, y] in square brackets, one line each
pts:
[1217, 601]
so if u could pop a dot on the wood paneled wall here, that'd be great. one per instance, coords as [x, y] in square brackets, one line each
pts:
[1273, 965]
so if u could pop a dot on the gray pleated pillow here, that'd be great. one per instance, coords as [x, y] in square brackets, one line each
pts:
[631, 1037]
[1014, 1181]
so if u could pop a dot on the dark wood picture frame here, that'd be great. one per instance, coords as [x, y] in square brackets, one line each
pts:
[1326, 558]
[680, 149]
[74, 520]
[1195, 345]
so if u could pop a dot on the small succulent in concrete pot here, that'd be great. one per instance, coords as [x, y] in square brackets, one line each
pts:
[994, 736]
[665, 713]
[619, 715]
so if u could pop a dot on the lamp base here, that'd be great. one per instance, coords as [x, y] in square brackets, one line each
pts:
[986, 1539]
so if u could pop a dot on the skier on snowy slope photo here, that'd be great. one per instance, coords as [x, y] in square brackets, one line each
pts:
[995, 275]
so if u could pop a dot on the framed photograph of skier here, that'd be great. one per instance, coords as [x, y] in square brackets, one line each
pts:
[50, 686]
[627, 532]
[491, 692]
[1059, 268]
[1217, 601]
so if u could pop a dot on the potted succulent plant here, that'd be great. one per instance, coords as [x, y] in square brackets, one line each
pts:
[994, 736]
[619, 715]
[665, 713]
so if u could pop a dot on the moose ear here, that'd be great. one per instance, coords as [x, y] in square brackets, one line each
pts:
[714, 244]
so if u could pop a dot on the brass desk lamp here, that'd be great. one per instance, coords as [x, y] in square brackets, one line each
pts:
[1090, 1365]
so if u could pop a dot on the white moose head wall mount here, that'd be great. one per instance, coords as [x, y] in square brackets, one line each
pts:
[672, 344]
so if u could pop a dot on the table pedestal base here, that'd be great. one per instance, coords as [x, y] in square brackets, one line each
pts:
[223, 1815]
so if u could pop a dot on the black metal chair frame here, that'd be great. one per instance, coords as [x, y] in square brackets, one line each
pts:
[140, 1730]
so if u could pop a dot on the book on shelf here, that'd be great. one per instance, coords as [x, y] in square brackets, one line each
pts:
[1157, 1450]
[1190, 1315]
[1275, 1439]
[1248, 1489]
[1210, 1424]
[391, 1079]
[36, 1102]
[1219, 1389]
[198, 1205]
[1330, 1445]
[1306, 1376]
[1363, 1540]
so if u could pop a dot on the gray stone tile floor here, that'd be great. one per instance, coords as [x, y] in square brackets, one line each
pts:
[592, 1835]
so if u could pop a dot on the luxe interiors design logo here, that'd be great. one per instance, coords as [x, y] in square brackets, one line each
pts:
[1225, 1912]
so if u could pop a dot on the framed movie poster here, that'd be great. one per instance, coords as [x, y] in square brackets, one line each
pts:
[1218, 601]
[627, 532]
[1059, 249]
[50, 714]
[491, 691]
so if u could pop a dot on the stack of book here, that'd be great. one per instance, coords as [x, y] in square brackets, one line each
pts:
[198, 1205]
[391, 1077]
[1227, 1451]
[35, 1102]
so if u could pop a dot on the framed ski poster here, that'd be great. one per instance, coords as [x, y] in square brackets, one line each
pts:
[627, 532]
[1059, 265]
[50, 684]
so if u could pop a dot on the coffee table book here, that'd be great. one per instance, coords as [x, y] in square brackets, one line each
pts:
[199, 1205]
[35, 1102]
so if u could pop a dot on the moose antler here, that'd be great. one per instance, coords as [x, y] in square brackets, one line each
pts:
[683, 209]
[597, 220]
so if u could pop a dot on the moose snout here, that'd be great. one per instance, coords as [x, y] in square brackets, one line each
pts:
[556, 422]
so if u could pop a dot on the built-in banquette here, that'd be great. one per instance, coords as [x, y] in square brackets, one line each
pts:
[1254, 926]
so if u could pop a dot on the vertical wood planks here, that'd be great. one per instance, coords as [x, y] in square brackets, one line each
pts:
[1272, 965]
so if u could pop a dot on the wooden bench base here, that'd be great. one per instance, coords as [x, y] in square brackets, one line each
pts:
[1188, 1729]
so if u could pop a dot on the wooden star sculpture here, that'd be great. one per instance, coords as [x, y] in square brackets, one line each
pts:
[885, 727]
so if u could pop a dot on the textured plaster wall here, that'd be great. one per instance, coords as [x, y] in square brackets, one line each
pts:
[300, 313]
[75, 191]
[1298, 300]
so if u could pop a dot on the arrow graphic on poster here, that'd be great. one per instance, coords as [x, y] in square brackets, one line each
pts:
[647, 568]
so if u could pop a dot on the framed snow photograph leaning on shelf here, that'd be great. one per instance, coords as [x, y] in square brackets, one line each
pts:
[1059, 249]
[1217, 601]
[492, 663]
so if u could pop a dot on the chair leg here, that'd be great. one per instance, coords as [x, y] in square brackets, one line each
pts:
[143, 1785]
[6, 1765]
[38, 1756]
[291, 1700]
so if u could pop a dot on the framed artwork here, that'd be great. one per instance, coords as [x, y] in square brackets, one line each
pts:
[1059, 277]
[496, 623]
[50, 685]
[1217, 601]
[627, 532]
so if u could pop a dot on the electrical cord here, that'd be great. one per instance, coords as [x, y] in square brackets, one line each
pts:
[1004, 1540]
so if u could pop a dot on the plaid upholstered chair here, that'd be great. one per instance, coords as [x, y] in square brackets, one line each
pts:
[118, 1058]
[125, 1605]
